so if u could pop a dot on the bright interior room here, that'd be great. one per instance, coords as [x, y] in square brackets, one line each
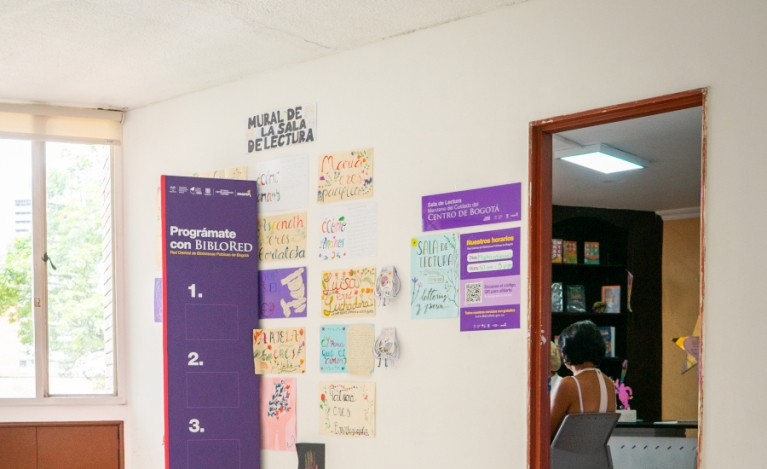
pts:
[308, 234]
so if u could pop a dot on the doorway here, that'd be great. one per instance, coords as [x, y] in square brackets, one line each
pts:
[542, 153]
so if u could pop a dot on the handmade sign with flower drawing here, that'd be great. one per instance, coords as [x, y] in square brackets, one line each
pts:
[349, 292]
[278, 351]
[278, 414]
[348, 409]
[434, 287]
[345, 175]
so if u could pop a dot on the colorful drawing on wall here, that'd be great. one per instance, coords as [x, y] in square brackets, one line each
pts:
[483, 206]
[311, 455]
[282, 237]
[283, 293]
[387, 285]
[434, 265]
[333, 348]
[349, 292]
[282, 127]
[278, 414]
[277, 351]
[282, 184]
[346, 175]
[239, 173]
[490, 280]
[348, 231]
[348, 409]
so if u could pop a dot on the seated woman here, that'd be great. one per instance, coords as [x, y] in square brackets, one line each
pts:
[588, 390]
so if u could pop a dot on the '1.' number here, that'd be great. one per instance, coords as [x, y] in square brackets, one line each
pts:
[195, 426]
[193, 356]
[194, 293]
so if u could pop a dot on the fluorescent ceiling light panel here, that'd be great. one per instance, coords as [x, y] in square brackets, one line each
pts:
[604, 158]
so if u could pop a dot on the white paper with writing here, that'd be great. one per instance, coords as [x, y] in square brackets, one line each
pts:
[282, 184]
[348, 231]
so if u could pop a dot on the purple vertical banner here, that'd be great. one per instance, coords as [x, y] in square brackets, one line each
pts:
[283, 293]
[497, 204]
[490, 280]
[210, 308]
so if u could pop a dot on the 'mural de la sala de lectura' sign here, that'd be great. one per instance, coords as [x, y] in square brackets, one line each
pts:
[289, 126]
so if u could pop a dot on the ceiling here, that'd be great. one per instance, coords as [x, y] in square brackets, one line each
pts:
[670, 142]
[124, 54]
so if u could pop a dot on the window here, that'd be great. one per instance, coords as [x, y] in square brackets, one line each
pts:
[57, 255]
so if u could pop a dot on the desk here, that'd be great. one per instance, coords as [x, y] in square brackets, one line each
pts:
[650, 445]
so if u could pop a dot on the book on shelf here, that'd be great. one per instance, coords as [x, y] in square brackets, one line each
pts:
[570, 249]
[591, 252]
[608, 334]
[576, 298]
[556, 251]
[611, 297]
[557, 300]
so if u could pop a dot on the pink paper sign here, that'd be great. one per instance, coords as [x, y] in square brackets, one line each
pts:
[278, 414]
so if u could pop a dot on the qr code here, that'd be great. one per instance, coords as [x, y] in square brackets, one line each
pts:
[474, 292]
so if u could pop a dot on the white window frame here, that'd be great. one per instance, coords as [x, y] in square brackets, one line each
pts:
[39, 287]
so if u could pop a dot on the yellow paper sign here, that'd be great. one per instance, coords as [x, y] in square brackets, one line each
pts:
[348, 409]
[349, 292]
[347, 175]
[277, 351]
[282, 237]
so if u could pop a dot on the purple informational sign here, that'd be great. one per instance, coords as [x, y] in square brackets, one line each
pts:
[210, 302]
[490, 280]
[283, 293]
[484, 206]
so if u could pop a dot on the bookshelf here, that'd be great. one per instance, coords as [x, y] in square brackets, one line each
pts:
[629, 241]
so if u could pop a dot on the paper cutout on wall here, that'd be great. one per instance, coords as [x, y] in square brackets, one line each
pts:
[282, 184]
[348, 231]
[387, 285]
[277, 351]
[283, 293]
[434, 266]
[691, 345]
[282, 237]
[281, 127]
[158, 300]
[360, 339]
[311, 455]
[346, 175]
[348, 409]
[386, 347]
[278, 414]
[349, 292]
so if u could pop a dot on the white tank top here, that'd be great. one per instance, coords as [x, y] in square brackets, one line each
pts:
[602, 390]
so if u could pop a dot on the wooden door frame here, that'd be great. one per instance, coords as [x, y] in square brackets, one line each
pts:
[539, 251]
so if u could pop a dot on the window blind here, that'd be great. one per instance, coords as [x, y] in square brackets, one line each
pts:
[60, 124]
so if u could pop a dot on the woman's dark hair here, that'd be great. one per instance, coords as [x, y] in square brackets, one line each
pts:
[582, 342]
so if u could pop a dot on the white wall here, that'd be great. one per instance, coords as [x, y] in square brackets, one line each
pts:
[448, 108]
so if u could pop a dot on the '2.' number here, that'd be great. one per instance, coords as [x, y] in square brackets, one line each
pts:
[193, 356]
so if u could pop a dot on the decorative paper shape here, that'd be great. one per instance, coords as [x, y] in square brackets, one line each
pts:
[346, 175]
[387, 285]
[281, 127]
[434, 287]
[278, 413]
[348, 409]
[490, 280]
[282, 184]
[349, 292]
[348, 231]
[483, 206]
[360, 339]
[311, 455]
[333, 352]
[239, 173]
[386, 347]
[158, 300]
[277, 351]
[282, 237]
[283, 293]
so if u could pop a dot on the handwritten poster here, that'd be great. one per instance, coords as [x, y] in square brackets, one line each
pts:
[282, 184]
[346, 175]
[333, 348]
[239, 173]
[278, 414]
[348, 409]
[283, 293]
[349, 292]
[360, 338]
[277, 351]
[483, 206]
[282, 127]
[490, 280]
[348, 231]
[311, 455]
[282, 237]
[434, 265]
